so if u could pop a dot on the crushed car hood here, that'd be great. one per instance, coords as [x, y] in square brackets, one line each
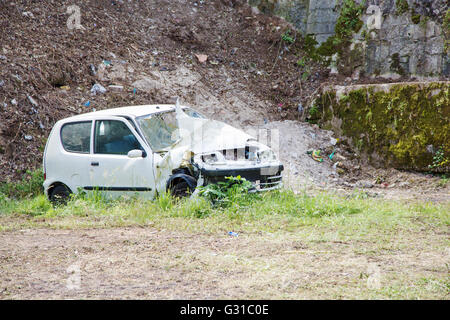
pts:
[205, 135]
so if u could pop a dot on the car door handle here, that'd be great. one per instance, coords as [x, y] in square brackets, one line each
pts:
[95, 164]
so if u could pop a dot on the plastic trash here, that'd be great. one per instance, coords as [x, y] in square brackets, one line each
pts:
[87, 104]
[97, 88]
[315, 154]
[233, 234]
[332, 155]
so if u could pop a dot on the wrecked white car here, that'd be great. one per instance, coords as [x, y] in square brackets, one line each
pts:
[145, 150]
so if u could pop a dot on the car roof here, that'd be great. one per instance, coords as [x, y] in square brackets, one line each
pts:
[131, 111]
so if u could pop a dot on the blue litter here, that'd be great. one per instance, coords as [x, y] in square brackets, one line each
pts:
[233, 234]
[87, 104]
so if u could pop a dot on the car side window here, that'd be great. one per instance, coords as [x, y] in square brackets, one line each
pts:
[114, 137]
[76, 136]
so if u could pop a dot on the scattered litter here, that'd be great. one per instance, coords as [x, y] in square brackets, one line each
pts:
[300, 108]
[92, 69]
[97, 88]
[106, 62]
[33, 102]
[2, 57]
[14, 102]
[87, 104]
[2, 83]
[233, 51]
[115, 87]
[134, 90]
[28, 137]
[332, 155]
[233, 234]
[340, 157]
[202, 58]
[41, 125]
[215, 62]
[163, 68]
[315, 154]
[28, 14]
[65, 88]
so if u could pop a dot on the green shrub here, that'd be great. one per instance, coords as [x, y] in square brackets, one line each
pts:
[234, 190]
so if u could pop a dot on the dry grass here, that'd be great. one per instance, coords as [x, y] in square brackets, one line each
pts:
[289, 247]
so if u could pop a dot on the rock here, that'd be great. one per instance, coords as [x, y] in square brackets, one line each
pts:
[364, 184]
[333, 141]
[97, 88]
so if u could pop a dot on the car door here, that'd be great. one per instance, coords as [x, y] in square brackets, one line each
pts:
[67, 161]
[111, 170]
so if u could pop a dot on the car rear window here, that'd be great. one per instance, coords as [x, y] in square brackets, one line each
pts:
[76, 137]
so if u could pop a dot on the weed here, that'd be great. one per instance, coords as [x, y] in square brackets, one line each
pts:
[439, 160]
[301, 62]
[225, 193]
[29, 186]
[401, 6]
[286, 37]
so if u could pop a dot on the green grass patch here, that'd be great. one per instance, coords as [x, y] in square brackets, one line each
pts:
[344, 216]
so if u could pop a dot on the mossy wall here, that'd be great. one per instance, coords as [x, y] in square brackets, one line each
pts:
[398, 125]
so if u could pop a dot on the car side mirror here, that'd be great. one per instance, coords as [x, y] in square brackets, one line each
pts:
[136, 153]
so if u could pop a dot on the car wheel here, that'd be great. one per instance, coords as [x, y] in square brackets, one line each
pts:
[180, 189]
[60, 195]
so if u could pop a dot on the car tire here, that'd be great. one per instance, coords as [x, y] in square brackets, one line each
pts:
[59, 195]
[180, 189]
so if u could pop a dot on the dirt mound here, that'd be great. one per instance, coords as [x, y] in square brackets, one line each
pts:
[47, 69]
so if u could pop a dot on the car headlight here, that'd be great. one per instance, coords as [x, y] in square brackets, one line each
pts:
[267, 155]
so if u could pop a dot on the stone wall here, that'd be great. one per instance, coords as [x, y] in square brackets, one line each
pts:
[399, 37]
[401, 125]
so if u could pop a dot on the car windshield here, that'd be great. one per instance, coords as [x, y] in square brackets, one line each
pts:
[160, 129]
